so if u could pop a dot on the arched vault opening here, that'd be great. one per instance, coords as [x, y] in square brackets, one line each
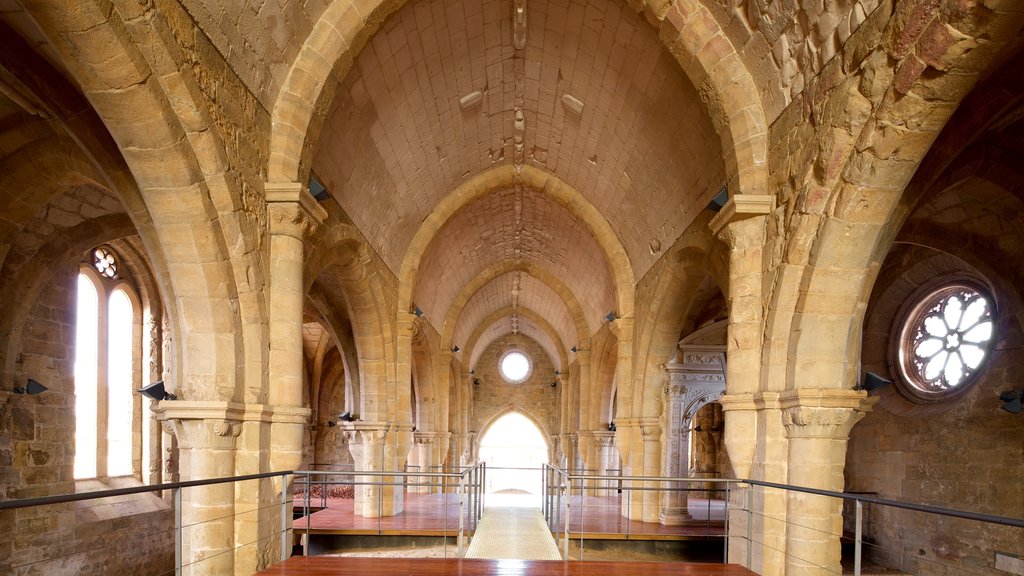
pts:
[515, 450]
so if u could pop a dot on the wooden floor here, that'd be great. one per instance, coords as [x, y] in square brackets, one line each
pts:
[423, 515]
[324, 565]
[600, 518]
[593, 517]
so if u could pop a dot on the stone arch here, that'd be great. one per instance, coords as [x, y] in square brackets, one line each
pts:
[341, 333]
[852, 210]
[363, 299]
[473, 350]
[686, 269]
[509, 409]
[497, 269]
[17, 300]
[538, 179]
[688, 31]
[155, 112]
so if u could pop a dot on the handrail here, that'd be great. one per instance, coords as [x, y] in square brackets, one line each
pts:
[979, 516]
[79, 496]
[967, 515]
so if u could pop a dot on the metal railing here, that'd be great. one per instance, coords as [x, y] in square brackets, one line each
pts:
[743, 500]
[559, 485]
[468, 485]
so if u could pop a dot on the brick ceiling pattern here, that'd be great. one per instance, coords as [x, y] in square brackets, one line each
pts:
[516, 290]
[520, 226]
[397, 141]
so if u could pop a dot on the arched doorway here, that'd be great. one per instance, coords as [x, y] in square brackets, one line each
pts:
[515, 450]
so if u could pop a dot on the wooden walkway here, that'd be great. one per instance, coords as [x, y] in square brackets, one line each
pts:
[596, 517]
[423, 515]
[599, 518]
[325, 565]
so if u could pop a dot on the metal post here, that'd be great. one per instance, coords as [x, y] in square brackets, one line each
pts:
[858, 540]
[462, 516]
[725, 524]
[750, 525]
[176, 492]
[307, 508]
[285, 548]
[568, 493]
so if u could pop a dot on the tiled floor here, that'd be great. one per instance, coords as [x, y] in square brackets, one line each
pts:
[514, 534]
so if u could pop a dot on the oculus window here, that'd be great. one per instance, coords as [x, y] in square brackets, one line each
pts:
[946, 336]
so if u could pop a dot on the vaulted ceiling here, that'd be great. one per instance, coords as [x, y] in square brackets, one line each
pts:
[432, 102]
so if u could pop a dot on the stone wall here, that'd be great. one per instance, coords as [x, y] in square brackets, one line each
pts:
[965, 453]
[535, 397]
[130, 534]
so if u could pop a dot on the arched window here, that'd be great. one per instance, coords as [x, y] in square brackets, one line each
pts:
[108, 346]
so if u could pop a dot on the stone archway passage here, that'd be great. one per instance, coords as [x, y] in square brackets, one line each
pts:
[514, 450]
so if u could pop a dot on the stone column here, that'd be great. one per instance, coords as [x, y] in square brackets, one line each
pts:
[604, 445]
[677, 442]
[818, 423]
[366, 443]
[741, 225]
[292, 214]
[206, 433]
[423, 452]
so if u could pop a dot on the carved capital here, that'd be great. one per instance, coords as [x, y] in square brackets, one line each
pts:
[742, 208]
[823, 413]
[291, 210]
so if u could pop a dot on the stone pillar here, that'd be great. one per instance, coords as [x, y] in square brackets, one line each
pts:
[206, 449]
[741, 225]
[604, 444]
[677, 442]
[818, 423]
[292, 214]
[366, 443]
[423, 456]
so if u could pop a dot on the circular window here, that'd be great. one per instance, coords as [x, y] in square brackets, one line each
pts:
[104, 263]
[944, 341]
[514, 367]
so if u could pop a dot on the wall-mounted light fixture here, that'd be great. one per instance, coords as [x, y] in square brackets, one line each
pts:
[558, 372]
[610, 316]
[472, 372]
[476, 381]
[331, 424]
[1013, 401]
[346, 417]
[31, 388]
[611, 426]
[416, 310]
[156, 391]
[574, 349]
[455, 349]
[554, 383]
[872, 382]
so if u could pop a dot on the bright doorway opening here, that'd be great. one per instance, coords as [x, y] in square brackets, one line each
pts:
[514, 450]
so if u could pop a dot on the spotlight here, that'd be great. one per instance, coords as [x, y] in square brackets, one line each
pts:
[472, 372]
[31, 387]
[1013, 401]
[558, 372]
[476, 381]
[574, 349]
[719, 200]
[416, 310]
[455, 349]
[873, 382]
[554, 383]
[346, 417]
[156, 391]
[610, 316]
[331, 423]
[611, 426]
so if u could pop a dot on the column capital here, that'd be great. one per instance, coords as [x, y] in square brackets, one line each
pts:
[740, 207]
[291, 210]
[823, 413]
[622, 328]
